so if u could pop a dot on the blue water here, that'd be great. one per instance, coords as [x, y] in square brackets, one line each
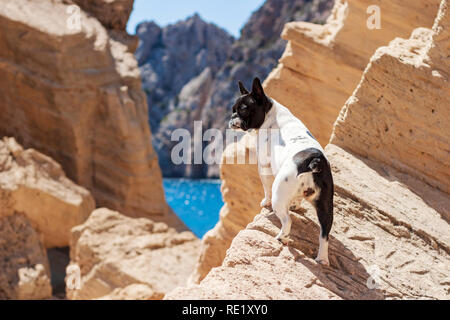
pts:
[196, 202]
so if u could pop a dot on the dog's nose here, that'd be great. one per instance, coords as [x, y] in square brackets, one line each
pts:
[232, 124]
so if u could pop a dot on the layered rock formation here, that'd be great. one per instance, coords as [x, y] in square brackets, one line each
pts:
[23, 260]
[128, 258]
[411, 130]
[420, 61]
[196, 79]
[386, 243]
[322, 64]
[113, 14]
[71, 89]
[35, 185]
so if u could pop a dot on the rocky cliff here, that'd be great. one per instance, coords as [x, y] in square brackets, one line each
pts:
[178, 63]
[71, 88]
[374, 172]
[73, 102]
[322, 64]
[190, 70]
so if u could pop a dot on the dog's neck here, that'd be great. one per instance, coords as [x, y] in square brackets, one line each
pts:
[270, 120]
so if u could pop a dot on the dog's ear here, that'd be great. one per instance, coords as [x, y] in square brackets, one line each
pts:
[242, 88]
[257, 90]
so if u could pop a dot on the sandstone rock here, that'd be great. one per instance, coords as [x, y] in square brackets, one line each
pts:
[35, 185]
[121, 257]
[131, 292]
[80, 102]
[386, 243]
[406, 84]
[322, 64]
[404, 154]
[23, 260]
[113, 14]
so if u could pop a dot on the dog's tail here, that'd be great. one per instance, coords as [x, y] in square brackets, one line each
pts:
[310, 160]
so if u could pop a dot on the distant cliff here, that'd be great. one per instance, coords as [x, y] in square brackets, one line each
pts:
[190, 70]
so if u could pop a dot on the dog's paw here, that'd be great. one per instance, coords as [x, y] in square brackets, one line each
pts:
[322, 261]
[283, 239]
[265, 203]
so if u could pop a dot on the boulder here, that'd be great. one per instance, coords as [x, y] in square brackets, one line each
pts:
[80, 100]
[35, 185]
[23, 260]
[118, 257]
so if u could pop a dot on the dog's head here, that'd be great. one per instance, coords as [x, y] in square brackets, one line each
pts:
[250, 109]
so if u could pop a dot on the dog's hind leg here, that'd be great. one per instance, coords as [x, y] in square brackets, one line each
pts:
[324, 208]
[326, 220]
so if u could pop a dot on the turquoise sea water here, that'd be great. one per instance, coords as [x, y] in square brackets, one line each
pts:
[196, 202]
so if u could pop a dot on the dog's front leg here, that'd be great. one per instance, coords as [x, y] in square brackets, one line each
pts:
[266, 176]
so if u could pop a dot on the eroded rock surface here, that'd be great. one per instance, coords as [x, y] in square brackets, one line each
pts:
[322, 64]
[386, 243]
[113, 14]
[129, 258]
[80, 100]
[35, 185]
[406, 84]
[24, 266]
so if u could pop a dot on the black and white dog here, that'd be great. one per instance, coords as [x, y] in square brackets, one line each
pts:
[291, 163]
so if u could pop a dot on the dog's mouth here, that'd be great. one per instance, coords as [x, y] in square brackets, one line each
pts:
[237, 123]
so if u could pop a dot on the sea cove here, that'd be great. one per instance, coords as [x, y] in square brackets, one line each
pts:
[196, 202]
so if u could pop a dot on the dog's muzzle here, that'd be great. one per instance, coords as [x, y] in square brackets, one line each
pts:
[237, 123]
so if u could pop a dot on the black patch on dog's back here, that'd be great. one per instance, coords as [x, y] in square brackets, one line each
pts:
[310, 159]
[313, 160]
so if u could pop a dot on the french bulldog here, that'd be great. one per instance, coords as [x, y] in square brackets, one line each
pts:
[291, 162]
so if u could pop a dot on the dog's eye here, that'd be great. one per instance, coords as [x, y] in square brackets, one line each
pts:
[243, 109]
